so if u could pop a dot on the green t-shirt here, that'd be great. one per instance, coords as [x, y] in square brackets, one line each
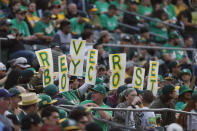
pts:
[160, 31]
[46, 29]
[142, 10]
[102, 124]
[176, 54]
[109, 23]
[124, 6]
[170, 11]
[21, 27]
[180, 105]
[101, 6]
[72, 96]
[76, 27]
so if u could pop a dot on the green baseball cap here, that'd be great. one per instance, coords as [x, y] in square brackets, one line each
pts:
[68, 124]
[62, 113]
[51, 90]
[173, 64]
[168, 76]
[27, 73]
[183, 89]
[173, 35]
[186, 71]
[45, 100]
[15, 91]
[99, 88]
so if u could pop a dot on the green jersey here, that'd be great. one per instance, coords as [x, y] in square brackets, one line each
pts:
[109, 23]
[101, 6]
[102, 124]
[142, 10]
[21, 27]
[72, 96]
[76, 27]
[175, 54]
[46, 29]
[170, 11]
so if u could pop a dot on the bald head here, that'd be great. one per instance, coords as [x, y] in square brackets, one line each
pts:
[72, 8]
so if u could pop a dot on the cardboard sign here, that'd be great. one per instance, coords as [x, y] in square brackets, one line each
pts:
[117, 63]
[152, 77]
[45, 59]
[77, 54]
[138, 78]
[63, 70]
[91, 67]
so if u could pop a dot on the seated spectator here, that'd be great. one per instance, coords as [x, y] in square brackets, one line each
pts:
[109, 20]
[186, 76]
[166, 100]
[72, 11]
[44, 28]
[102, 6]
[169, 9]
[145, 8]
[30, 15]
[97, 97]
[130, 19]
[15, 5]
[78, 23]
[20, 27]
[63, 36]
[159, 28]
[120, 4]
[68, 125]
[31, 122]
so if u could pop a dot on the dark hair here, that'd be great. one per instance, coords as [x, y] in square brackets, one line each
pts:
[47, 111]
[97, 44]
[77, 114]
[29, 120]
[93, 127]
[86, 34]
[159, 13]
[147, 97]
[165, 98]
[112, 7]
[64, 23]
[12, 79]
[25, 107]
[182, 14]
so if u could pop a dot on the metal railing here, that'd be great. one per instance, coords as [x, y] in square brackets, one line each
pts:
[134, 110]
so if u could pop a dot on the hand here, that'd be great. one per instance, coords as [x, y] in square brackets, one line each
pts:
[109, 73]
[69, 58]
[40, 72]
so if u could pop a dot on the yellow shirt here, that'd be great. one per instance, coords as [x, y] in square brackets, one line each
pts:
[32, 19]
[179, 9]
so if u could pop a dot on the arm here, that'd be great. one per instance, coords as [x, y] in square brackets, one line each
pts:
[3, 80]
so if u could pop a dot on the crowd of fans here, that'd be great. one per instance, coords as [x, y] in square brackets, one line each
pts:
[31, 25]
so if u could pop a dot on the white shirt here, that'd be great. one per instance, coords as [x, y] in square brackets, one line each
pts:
[145, 122]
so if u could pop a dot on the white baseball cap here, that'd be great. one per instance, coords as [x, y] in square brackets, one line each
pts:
[22, 62]
[2, 67]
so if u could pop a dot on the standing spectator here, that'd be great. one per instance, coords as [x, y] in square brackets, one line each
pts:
[98, 95]
[28, 104]
[128, 99]
[4, 104]
[109, 20]
[31, 122]
[166, 100]
[185, 94]
[63, 36]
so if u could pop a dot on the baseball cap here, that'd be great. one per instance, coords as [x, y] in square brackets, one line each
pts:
[47, 14]
[4, 93]
[21, 62]
[183, 89]
[173, 35]
[45, 100]
[99, 88]
[84, 17]
[2, 67]
[173, 64]
[15, 91]
[51, 90]
[20, 11]
[186, 71]
[167, 89]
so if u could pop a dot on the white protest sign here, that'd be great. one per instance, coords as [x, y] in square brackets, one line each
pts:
[117, 63]
[63, 70]
[138, 77]
[77, 54]
[152, 77]
[45, 59]
[91, 67]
